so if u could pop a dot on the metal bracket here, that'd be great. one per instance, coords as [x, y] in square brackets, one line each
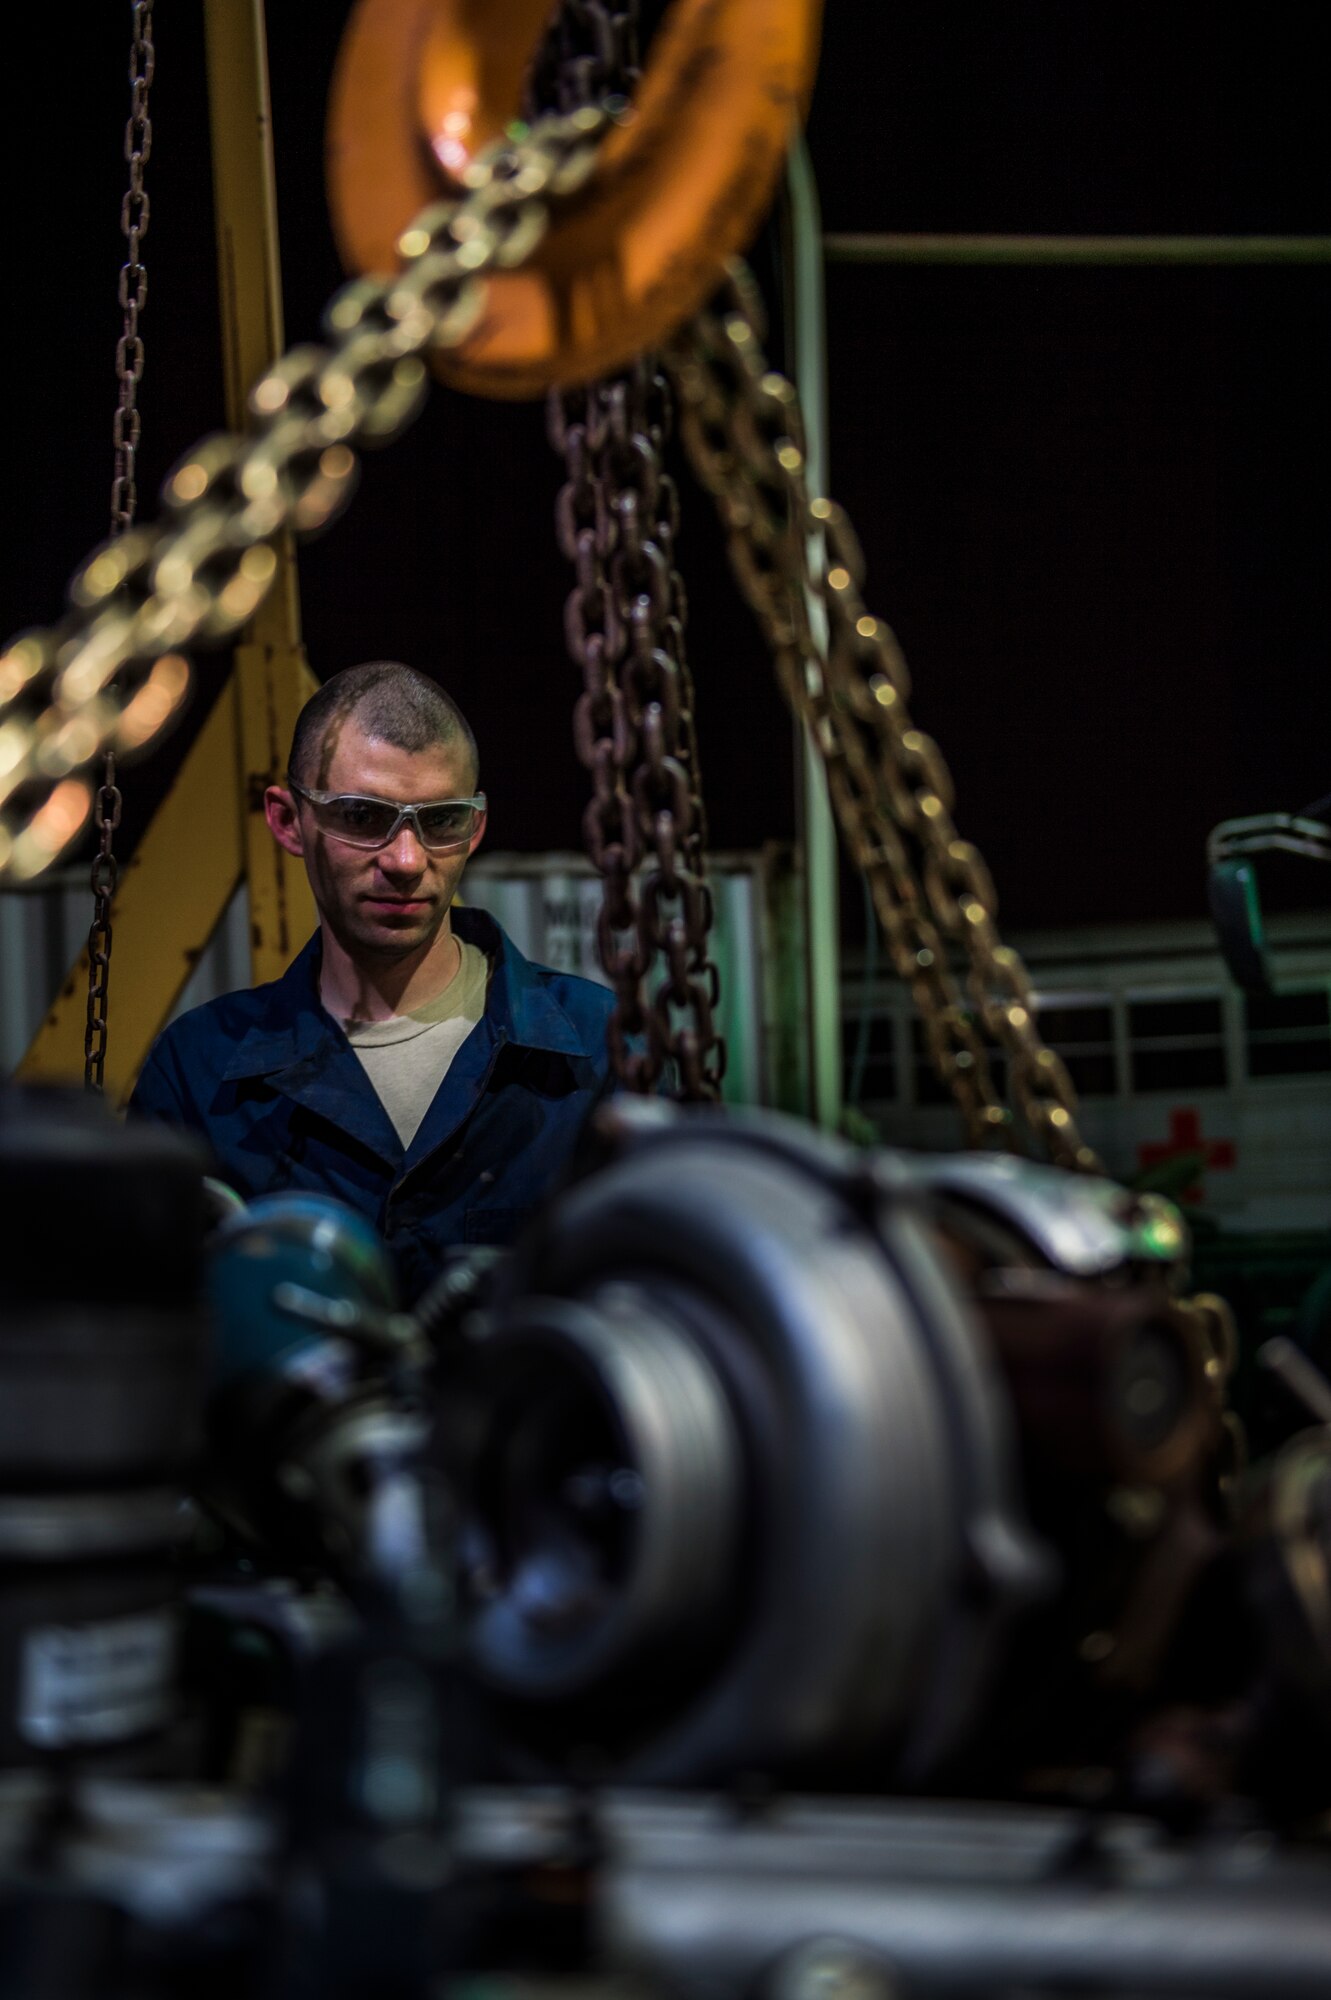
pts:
[1232, 890]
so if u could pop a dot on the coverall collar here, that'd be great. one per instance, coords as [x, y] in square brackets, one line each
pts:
[302, 1051]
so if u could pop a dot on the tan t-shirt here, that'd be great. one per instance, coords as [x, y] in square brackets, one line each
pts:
[408, 1057]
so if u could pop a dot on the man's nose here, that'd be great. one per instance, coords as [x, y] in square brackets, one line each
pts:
[404, 854]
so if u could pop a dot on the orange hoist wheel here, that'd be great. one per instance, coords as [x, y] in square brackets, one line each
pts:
[422, 85]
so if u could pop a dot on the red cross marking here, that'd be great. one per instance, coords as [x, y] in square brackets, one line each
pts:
[1185, 1136]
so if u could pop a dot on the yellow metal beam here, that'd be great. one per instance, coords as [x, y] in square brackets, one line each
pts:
[273, 679]
[173, 894]
[271, 688]
[209, 835]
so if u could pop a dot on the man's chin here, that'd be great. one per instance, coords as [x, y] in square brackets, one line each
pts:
[387, 929]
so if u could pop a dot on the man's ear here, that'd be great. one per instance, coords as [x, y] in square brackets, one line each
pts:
[283, 816]
[479, 834]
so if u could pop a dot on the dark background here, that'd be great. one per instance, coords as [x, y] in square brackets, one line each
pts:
[1093, 503]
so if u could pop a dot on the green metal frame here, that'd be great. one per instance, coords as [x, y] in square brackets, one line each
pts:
[867, 248]
[820, 1010]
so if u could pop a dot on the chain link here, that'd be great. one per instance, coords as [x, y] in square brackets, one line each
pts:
[589, 54]
[198, 575]
[133, 293]
[617, 519]
[890, 787]
[104, 876]
[134, 212]
[111, 675]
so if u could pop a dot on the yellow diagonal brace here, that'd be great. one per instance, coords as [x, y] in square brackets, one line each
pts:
[173, 893]
[272, 685]
[272, 678]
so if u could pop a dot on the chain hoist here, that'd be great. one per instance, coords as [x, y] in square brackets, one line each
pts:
[890, 787]
[112, 672]
[617, 518]
[134, 213]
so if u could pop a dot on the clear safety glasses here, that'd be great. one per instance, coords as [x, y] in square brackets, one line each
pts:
[439, 825]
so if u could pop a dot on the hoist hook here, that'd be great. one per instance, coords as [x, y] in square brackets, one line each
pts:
[421, 85]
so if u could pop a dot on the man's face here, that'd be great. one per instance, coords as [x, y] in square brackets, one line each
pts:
[381, 903]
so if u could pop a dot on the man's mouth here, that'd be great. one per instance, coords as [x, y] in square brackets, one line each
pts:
[398, 902]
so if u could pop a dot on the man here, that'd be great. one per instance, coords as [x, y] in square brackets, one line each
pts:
[411, 1061]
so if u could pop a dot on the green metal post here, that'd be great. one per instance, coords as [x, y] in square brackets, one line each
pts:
[806, 332]
[1214, 251]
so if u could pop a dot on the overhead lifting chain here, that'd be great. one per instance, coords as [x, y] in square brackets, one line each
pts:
[589, 54]
[891, 790]
[111, 673]
[634, 728]
[134, 213]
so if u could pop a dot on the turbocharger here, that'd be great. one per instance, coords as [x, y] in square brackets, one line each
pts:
[776, 1457]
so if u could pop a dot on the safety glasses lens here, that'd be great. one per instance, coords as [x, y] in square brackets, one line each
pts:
[364, 822]
[446, 825]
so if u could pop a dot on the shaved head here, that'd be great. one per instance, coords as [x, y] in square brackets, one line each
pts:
[394, 703]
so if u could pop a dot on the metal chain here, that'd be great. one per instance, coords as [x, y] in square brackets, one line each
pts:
[111, 675]
[617, 519]
[134, 212]
[890, 787]
[589, 54]
[103, 877]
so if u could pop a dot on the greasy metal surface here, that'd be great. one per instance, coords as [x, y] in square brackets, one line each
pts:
[877, 1461]
[1086, 1228]
[948, 1897]
[1228, 1928]
[681, 185]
